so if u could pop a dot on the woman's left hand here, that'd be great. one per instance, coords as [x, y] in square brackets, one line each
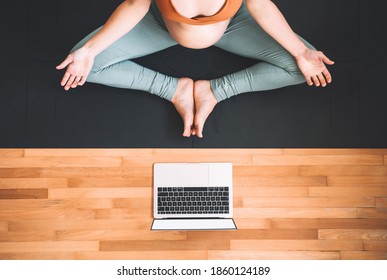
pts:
[312, 65]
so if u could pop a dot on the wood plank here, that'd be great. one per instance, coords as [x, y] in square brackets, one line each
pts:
[357, 181]
[71, 193]
[266, 171]
[375, 245]
[152, 245]
[110, 236]
[27, 204]
[328, 223]
[38, 256]
[381, 202]
[335, 151]
[20, 173]
[368, 213]
[49, 246]
[144, 255]
[366, 234]
[216, 152]
[240, 191]
[363, 255]
[23, 193]
[123, 213]
[26, 236]
[238, 202]
[347, 191]
[4, 226]
[253, 234]
[296, 245]
[89, 152]
[59, 213]
[337, 170]
[259, 181]
[252, 223]
[97, 172]
[282, 160]
[273, 255]
[310, 202]
[31, 162]
[295, 212]
[89, 203]
[4, 153]
[110, 182]
[32, 183]
[195, 157]
[133, 203]
[80, 224]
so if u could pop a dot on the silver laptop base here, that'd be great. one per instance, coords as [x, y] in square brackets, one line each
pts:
[193, 224]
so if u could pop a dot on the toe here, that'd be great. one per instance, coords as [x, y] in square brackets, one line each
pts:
[199, 130]
[187, 131]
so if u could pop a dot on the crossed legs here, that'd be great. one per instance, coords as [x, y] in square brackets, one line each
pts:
[194, 101]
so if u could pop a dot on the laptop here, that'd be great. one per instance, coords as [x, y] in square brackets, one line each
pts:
[193, 196]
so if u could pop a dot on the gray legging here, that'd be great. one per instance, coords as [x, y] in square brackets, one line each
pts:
[244, 37]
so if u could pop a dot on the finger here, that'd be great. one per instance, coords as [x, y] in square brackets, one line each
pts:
[322, 79]
[316, 81]
[66, 62]
[65, 79]
[70, 82]
[326, 60]
[76, 82]
[309, 81]
[328, 76]
[82, 81]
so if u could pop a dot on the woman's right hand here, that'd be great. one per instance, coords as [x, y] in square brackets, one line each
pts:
[79, 64]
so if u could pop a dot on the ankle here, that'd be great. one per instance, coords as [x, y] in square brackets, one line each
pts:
[182, 85]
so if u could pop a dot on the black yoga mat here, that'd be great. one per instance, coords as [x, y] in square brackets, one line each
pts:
[36, 112]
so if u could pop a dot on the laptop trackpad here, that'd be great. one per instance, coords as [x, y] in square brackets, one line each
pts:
[193, 224]
[193, 175]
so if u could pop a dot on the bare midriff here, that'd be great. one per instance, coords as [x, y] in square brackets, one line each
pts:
[196, 36]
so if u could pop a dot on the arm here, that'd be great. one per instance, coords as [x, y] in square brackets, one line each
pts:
[123, 19]
[310, 62]
[80, 62]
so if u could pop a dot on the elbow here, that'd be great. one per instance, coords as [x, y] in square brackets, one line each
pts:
[256, 4]
[259, 9]
[144, 5]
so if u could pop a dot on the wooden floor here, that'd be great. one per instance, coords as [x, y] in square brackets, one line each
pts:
[289, 204]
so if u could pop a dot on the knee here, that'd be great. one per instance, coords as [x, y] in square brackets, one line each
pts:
[297, 78]
[294, 72]
[93, 75]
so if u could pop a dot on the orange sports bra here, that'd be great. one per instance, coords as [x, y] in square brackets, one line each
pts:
[228, 10]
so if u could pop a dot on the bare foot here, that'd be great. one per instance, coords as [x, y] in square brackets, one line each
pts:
[204, 104]
[184, 103]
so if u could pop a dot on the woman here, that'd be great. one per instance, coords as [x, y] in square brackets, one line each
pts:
[250, 28]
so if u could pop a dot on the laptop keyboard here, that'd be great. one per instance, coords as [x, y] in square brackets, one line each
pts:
[193, 200]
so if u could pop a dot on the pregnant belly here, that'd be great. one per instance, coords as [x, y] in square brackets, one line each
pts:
[196, 36]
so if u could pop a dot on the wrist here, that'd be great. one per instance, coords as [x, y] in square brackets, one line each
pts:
[299, 50]
[90, 49]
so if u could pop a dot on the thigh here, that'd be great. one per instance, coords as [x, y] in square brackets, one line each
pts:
[148, 36]
[246, 38]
